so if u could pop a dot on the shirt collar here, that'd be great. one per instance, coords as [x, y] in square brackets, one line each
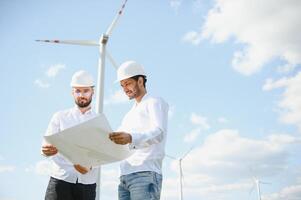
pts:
[77, 111]
[146, 95]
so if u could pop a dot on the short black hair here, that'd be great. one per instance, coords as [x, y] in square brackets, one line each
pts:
[138, 76]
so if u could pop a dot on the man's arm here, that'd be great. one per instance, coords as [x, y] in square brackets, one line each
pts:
[158, 111]
[53, 127]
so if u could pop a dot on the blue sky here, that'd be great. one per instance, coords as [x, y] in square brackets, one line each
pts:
[230, 71]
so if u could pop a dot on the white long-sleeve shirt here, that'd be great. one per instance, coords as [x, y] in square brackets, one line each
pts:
[61, 168]
[147, 123]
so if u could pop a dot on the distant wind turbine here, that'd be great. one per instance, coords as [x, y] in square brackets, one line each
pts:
[101, 65]
[180, 169]
[257, 183]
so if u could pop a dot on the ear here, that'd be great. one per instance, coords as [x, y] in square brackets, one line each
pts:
[140, 81]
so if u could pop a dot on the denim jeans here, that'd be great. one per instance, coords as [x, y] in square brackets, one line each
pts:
[140, 186]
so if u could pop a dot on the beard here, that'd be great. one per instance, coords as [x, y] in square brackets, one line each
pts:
[83, 104]
[135, 92]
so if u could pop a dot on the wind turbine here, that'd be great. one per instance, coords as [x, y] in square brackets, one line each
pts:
[180, 169]
[101, 65]
[257, 184]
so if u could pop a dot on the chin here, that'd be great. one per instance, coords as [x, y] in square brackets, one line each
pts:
[130, 96]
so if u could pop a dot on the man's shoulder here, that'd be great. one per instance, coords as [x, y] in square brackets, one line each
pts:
[156, 99]
[63, 113]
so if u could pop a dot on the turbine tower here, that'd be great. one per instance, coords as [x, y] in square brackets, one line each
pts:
[257, 182]
[180, 169]
[101, 66]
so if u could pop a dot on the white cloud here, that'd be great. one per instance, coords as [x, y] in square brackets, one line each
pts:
[270, 84]
[171, 111]
[199, 121]
[266, 29]
[42, 167]
[286, 68]
[195, 187]
[222, 164]
[198, 6]
[192, 37]
[287, 193]
[41, 84]
[7, 168]
[190, 137]
[110, 181]
[175, 4]
[117, 97]
[170, 188]
[290, 102]
[53, 70]
[110, 178]
[226, 154]
[222, 120]
[282, 139]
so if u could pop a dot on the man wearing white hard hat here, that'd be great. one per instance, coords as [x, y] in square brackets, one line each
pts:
[71, 181]
[144, 129]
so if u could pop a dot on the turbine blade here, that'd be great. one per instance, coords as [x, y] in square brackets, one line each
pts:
[252, 189]
[115, 65]
[113, 24]
[268, 183]
[73, 42]
[187, 152]
[111, 59]
[170, 157]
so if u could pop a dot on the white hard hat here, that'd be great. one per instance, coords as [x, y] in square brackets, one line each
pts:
[129, 69]
[82, 79]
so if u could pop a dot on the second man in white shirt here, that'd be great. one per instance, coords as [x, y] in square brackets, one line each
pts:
[144, 128]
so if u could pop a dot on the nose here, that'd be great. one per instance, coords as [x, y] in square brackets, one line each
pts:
[125, 90]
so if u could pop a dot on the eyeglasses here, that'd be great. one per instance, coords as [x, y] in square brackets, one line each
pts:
[78, 93]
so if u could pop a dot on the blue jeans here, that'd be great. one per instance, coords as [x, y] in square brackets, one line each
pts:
[140, 186]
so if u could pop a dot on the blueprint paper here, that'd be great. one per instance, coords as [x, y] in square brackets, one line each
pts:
[88, 143]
